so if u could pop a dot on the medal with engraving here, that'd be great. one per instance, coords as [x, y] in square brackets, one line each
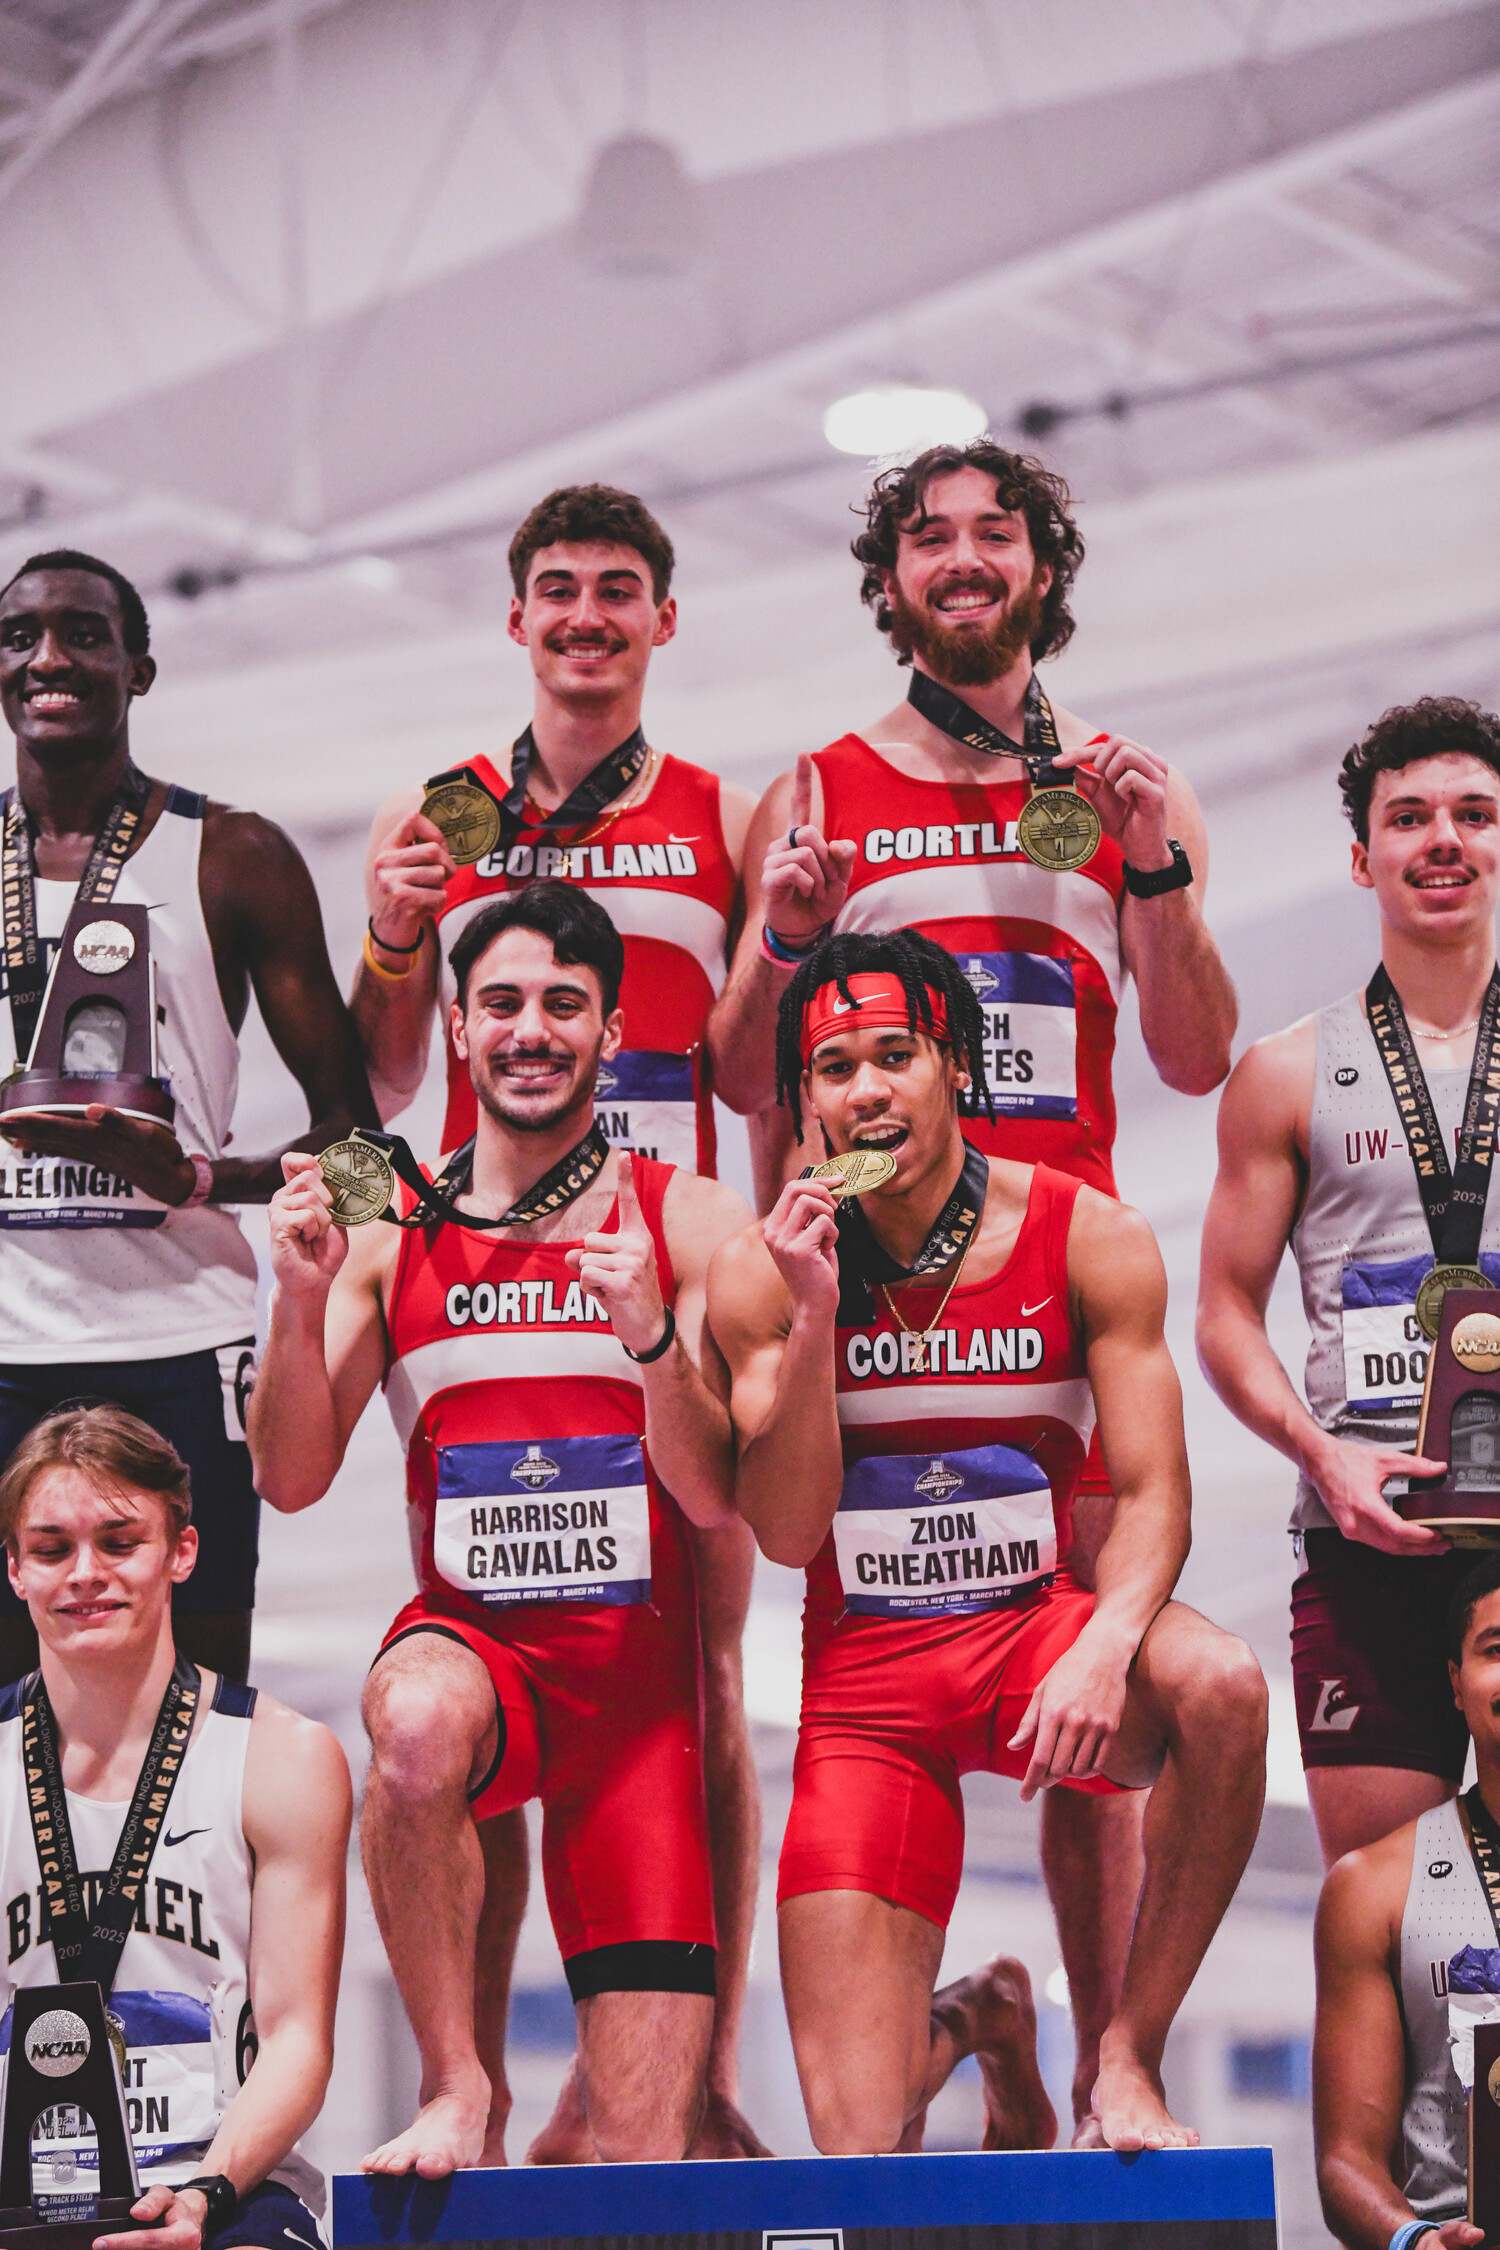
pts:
[466, 816]
[1058, 828]
[474, 822]
[864, 1265]
[855, 1171]
[1453, 1197]
[362, 1173]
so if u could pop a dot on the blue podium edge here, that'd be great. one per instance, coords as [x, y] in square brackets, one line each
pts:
[804, 2193]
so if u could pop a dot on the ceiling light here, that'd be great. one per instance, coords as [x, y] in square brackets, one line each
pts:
[901, 418]
[640, 213]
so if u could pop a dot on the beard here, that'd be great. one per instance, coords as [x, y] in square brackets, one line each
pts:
[958, 655]
[525, 1116]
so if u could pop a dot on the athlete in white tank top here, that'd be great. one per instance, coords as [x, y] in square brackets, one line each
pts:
[227, 2012]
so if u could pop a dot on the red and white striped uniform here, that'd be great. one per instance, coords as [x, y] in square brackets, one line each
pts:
[662, 872]
[1041, 950]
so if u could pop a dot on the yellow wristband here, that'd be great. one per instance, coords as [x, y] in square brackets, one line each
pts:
[392, 976]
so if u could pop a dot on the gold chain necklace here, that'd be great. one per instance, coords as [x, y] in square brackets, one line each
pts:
[919, 1355]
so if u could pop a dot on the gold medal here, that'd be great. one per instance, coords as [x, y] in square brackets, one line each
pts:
[362, 1181]
[468, 817]
[1429, 1305]
[855, 1171]
[1058, 829]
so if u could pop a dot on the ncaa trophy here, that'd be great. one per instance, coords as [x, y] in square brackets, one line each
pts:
[1461, 1424]
[63, 2099]
[96, 1036]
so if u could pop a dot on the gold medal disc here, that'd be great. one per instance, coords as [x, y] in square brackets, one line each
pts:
[1429, 1304]
[855, 1171]
[362, 1181]
[1058, 829]
[468, 817]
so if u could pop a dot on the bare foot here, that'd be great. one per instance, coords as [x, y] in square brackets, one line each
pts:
[725, 2133]
[910, 2143]
[566, 2138]
[493, 2153]
[446, 2135]
[992, 2016]
[1131, 2105]
[1087, 2133]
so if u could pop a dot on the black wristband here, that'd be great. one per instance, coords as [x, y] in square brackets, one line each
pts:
[644, 1359]
[222, 2198]
[385, 944]
[1155, 880]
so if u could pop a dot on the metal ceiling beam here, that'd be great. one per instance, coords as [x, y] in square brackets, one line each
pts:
[132, 39]
[1360, 218]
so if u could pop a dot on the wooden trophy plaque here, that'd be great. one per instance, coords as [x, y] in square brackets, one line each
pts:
[1461, 1423]
[1484, 2132]
[62, 2088]
[96, 1037]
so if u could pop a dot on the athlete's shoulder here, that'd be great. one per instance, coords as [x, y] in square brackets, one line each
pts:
[1275, 1074]
[1364, 1895]
[710, 1207]
[292, 1763]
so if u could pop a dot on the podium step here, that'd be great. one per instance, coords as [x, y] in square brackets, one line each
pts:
[1170, 2199]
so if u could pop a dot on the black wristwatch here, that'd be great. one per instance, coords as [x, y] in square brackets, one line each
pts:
[1155, 880]
[222, 2199]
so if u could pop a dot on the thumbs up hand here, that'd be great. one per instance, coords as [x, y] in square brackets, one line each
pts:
[806, 879]
[620, 1270]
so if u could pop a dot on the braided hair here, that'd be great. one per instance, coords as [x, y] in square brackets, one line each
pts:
[920, 964]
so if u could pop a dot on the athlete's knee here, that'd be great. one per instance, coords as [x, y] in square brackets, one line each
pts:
[424, 1740]
[1222, 1693]
[846, 2122]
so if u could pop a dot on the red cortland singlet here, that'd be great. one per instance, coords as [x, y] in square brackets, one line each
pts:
[662, 872]
[1042, 951]
[941, 1596]
[544, 1541]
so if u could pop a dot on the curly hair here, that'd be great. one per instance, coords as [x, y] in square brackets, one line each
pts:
[135, 627]
[588, 515]
[1437, 726]
[898, 502]
[924, 968]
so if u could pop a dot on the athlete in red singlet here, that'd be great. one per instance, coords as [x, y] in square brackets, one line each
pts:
[913, 1388]
[659, 844]
[968, 557]
[559, 1439]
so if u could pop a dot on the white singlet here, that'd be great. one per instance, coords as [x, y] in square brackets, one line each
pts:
[181, 1987]
[90, 1268]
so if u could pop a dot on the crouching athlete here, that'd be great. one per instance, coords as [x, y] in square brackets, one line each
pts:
[915, 1379]
[559, 1436]
[224, 1977]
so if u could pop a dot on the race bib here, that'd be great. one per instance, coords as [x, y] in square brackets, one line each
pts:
[1385, 1352]
[171, 2104]
[1030, 1032]
[43, 1191]
[567, 1520]
[918, 1535]
[646, 1101]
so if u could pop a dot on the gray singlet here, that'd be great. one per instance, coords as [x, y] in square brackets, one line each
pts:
[1445, 1910]
[1362, 1246]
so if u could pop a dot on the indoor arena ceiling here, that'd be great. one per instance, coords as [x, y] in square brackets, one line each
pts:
[332, 292]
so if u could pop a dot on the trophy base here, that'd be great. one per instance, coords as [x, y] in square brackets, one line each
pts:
[39, 1093]
[21, 2229]
[1467, 1519]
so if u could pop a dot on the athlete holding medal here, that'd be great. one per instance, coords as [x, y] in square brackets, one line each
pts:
[1051, 860]
[1365, 1137]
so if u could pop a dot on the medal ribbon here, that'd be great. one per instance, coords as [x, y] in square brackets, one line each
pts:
[25, 969]
[568, 1178]
[947, 711]
[597, 790]
[863, 1261]
[88, 1948]
[1484, 1846]
[1452, 1198]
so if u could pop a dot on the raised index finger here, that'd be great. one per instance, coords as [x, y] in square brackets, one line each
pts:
[800, 812]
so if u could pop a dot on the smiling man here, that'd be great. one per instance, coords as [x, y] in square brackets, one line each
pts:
[224, 1979]
[969, 556]
[915, 1380]
[123, 1274]
[541, 1345]
[658, 843]
[1315, 1150]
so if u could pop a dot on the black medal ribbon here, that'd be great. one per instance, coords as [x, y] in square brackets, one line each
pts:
[949, 712]
[435, 1206]
[25, 965]
[1453, 1197]
[864, 1262]
[594, 794]
[1484, 1847]
[89, 1946]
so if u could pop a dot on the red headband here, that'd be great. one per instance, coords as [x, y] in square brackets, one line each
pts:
[879, 999]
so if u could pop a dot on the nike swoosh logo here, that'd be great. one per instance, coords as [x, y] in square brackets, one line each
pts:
[169, 1840]
[671, 839]
[1028, 1310]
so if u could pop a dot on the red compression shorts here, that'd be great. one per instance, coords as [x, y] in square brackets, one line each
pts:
[893, 1711]
[599, 1715]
